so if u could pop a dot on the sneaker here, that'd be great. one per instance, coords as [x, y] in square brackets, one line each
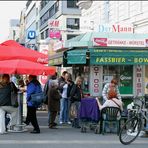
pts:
[69, 122]
[3, 133]
[61, 122]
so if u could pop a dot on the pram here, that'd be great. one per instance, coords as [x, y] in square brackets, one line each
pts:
[89, 115]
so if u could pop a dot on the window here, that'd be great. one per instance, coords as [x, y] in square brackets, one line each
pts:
[69, 36]
[46, 33]
[36, 25]
[42, 35]
[56, 6]
[51, 11]
[72, 3]
[73, 23]
[124, 75]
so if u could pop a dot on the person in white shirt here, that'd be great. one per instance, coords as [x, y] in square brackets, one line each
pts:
[112, 85]
[112, 101]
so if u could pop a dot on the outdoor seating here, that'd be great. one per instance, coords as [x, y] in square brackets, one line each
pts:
[110, 115]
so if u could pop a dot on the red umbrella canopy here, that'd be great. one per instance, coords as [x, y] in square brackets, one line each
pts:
[13, 50]
[25, 67]
[11, 43]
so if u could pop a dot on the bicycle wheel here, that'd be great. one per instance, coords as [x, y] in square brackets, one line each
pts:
[130, 130]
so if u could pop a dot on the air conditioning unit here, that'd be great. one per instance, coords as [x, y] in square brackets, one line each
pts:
[85, 4]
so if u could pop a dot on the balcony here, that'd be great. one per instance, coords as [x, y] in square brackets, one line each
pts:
[85, 4]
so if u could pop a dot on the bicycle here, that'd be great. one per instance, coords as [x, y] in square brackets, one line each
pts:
[131, 129]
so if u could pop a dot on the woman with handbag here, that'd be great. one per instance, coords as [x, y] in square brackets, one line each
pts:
[76, 95]
[33, 87]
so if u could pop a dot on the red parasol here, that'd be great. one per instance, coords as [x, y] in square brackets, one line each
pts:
[12, 50]
[25, 67]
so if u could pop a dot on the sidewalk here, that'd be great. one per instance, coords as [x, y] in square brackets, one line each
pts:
[64, 136]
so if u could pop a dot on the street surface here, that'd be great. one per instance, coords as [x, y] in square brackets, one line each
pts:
[64, 137]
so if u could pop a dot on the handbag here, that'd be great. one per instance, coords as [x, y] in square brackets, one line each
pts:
[37, 99]
[73, 111]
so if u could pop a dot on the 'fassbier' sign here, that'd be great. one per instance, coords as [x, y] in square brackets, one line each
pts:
[120, 60]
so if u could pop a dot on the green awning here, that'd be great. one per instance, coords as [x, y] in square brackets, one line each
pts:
[118, 57]
[76, 56]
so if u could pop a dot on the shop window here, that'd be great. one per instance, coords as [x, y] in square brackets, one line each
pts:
[73, 23]
[72, 3]
[124, 75]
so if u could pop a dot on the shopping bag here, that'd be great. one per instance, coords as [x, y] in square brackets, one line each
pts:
[73, 111]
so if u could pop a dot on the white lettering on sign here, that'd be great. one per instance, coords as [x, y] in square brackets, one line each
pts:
[119, 42]
[122, 77]
[138, 80]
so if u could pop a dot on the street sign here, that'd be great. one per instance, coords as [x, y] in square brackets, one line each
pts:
[31, 35]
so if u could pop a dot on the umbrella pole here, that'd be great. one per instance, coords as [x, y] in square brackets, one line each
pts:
[20, 127]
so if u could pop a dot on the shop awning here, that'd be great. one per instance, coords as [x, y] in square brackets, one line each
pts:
[118, 57]
[56, 59]
[76, 56]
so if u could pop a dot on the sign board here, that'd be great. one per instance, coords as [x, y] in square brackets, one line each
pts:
[54, 34]
[120, 42]
[115, 28]
[54, 23]
[86, 24]
[31, 35]
[58, 45]
[96, 80]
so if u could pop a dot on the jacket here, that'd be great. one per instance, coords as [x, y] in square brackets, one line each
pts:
[76, 93]
[53, 99]
[32, 89]
[5, 94]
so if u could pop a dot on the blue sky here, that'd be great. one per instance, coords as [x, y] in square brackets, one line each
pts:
[9, 10]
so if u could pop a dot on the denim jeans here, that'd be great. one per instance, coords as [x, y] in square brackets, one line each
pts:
[64, 110]
[76, 122]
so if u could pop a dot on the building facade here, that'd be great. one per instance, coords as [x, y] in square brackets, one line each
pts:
[132, 77]
[14, 29]
[32, 24]
[59, 21]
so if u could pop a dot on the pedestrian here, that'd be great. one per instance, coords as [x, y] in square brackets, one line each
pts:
[63, 87]
[46, 88]
[33, 87]
[70, 85]
[76, 95]
[6, 106]
[112, 85]
[53, 102]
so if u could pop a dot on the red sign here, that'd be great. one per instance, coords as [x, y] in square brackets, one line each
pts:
[120, 42]
[100, 41]
[53, 23]
[54, 34]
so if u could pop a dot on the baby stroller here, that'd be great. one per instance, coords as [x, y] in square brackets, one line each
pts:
[89, 115]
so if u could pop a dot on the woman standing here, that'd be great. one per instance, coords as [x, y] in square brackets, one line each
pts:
[33, 87]
[76, 95]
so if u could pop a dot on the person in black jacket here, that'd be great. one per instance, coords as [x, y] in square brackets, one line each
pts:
[76, 95]
[6, 88]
